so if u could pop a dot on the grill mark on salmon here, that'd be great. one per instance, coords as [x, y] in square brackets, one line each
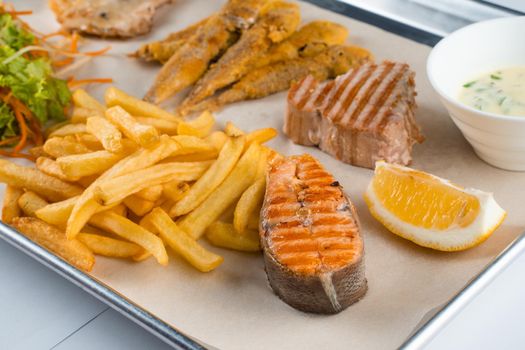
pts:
[360, 117]
[311, 238]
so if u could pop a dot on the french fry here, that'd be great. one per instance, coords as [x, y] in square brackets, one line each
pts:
[34, 180]
[182, 243]
[80, 165]
[50, 167]
[116, 97]
[141, 256]
[253, 221]
[69, 129]
[90, 142]
[57, 213]
[10, 207]
[138, 206]
[127, 229]
[175, 190]
[215, 175]
[87, 180]
[86, 205]
[261, 135]
[144, 135]
[224, 235]
[194, 157]
[163, 126]
[233, 131]
[250, 201]
[217, 139]
[152, 193]
[120, 187]
[59, 147]
[84, 100]
[51, 238]
[80, 115]
[239, 179]
[30, 202]
[110, 247]
[200, 127]
[38, 151]
[106, 133]
[192, 144]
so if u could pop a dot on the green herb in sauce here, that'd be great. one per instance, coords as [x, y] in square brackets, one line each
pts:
[500, 92]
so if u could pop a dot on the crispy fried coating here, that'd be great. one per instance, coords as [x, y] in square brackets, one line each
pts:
[267, 80]
[190, 62]
[162, 50]
[277, 23]
[311, 39]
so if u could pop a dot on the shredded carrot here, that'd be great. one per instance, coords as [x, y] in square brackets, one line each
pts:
[72, 82]
[9, 140]
[19, 13]
[62, 52]
[23, 129]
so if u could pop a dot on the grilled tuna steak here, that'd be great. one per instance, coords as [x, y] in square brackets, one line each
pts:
[313, 250]
[360, 117]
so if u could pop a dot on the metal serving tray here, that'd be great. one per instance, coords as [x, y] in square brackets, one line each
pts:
[423, 332]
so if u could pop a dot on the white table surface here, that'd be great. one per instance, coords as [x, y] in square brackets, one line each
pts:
[41, 310]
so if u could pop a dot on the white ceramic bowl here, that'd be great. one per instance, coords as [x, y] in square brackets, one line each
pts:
[465, 55]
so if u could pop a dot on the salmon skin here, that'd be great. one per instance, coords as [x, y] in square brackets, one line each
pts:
[310, 234]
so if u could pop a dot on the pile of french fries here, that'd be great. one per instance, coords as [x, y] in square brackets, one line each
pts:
[129, 180]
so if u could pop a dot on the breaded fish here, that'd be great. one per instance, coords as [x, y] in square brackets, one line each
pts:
[277, 23]
[107, 18]
[312, 38]
[311, 239]
[162, 50]
[280, 76]
[190, 62]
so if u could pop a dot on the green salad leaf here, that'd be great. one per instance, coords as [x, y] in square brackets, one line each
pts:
[12, 34]
[29, 79]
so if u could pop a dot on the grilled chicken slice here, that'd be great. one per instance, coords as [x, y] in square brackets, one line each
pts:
[107, 18]
[277, 23]
[311, 239]
[190, 62]
[311, 39]
[280, 76]
[162, 50]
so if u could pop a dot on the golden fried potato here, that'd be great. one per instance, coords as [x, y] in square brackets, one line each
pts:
[54, 240]
[30, 202]
[182, 243]
[32, 179]
[10, 207]
[224, 235]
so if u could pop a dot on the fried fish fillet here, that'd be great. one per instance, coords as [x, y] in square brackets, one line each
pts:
[267, 80]
[277, 23]
[190, 62]
[162, 50]
[312, 38]
[107, 18]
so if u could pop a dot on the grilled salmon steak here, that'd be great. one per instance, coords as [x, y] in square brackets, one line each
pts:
[313, 250]
[361, 117]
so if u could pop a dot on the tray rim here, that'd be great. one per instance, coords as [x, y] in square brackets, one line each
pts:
[421, 335]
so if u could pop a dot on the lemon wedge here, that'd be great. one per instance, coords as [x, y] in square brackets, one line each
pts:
[431, 211]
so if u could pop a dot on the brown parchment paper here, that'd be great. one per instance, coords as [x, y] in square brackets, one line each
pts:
[233, 307]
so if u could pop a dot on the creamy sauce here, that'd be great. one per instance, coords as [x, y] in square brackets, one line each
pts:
[500, 92]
